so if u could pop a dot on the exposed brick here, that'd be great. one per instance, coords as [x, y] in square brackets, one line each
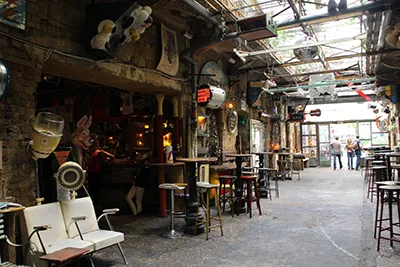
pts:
[15, 52]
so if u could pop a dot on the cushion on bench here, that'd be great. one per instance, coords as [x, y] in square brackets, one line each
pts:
[53, 238]
[89, 227]
[76, 208]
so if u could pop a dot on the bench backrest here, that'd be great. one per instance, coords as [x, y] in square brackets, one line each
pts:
[46, 214]
[75, 208]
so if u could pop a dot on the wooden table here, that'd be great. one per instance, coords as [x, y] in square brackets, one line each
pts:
[64, 256]
[8, 253]
[191, 167]
[388, 156]
[161, 179]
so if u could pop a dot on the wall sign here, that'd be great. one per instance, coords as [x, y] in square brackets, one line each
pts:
[210, 96]
[232, 121]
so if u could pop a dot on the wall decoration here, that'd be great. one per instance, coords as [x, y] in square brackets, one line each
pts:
[232, 121]
[169, 62]
[202, 125]
[13, 13]
[218, 79]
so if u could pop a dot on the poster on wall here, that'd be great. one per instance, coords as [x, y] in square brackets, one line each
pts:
[169, 62]
[13, 13]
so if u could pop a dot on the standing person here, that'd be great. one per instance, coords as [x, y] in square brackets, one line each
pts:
[357, 150]
[336, 149]
[95, 179]
[350, 153]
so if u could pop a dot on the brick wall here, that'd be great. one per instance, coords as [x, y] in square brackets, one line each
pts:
[57, 24]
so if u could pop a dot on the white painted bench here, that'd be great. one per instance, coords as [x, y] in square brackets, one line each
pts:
[71, 223]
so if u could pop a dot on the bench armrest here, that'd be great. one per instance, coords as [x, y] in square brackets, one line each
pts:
[110, 211]
[37, 229]
[105, 214]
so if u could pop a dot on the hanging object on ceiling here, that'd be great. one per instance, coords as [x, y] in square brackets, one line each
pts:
[4, 79]
[321, 90]
[392, 35]
[382, 123]
[256, 28]
[306, 53]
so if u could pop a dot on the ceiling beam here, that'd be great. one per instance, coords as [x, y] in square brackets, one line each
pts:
[296, 63]
[269, 51]
[313, 73]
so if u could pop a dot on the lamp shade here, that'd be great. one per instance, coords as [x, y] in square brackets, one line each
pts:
[4, 79]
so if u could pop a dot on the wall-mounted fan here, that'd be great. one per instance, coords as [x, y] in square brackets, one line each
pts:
[70, 177]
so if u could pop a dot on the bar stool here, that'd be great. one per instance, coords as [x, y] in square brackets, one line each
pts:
[168, 186]
[264, 183]
[292, 167]
[224, 181]
[368, 172]
[389, 189]
[378, 185]
[273, 175]
[203, 187]
[378, 175]
[395, 168]
[250, 180]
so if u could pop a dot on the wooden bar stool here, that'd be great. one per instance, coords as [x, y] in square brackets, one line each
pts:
[379, 173]
[250, 181]
[368, 172]
[390, 190]
[203, 187]
[226, 182]
[378, 185]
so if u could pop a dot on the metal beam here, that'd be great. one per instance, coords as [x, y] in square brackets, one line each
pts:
[296, 63]
[281, 89]
[364, 9]
[312, 73]
[269, 51]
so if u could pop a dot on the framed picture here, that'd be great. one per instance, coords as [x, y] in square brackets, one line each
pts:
[13, 13]
[169, 62]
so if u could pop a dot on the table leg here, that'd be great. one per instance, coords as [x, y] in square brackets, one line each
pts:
[389, 169]
[191, 209]
[239, 184]
[162, 194]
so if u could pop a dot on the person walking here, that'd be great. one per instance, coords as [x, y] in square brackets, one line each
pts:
[350, 153]
[336, 149]
[357, 151]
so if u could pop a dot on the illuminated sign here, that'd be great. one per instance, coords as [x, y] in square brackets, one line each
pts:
[203, 95]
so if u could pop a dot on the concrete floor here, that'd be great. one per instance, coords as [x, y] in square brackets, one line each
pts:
[322, 220]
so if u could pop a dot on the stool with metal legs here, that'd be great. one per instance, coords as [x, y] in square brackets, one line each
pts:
[167, 186]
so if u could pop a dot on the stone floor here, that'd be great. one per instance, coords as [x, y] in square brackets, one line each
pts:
[324, 219]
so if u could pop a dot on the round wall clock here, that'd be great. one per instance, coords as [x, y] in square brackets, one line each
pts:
[232, 121]
[4, 79]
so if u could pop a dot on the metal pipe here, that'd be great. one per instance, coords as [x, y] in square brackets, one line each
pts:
[279, 89]
[367, 8]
